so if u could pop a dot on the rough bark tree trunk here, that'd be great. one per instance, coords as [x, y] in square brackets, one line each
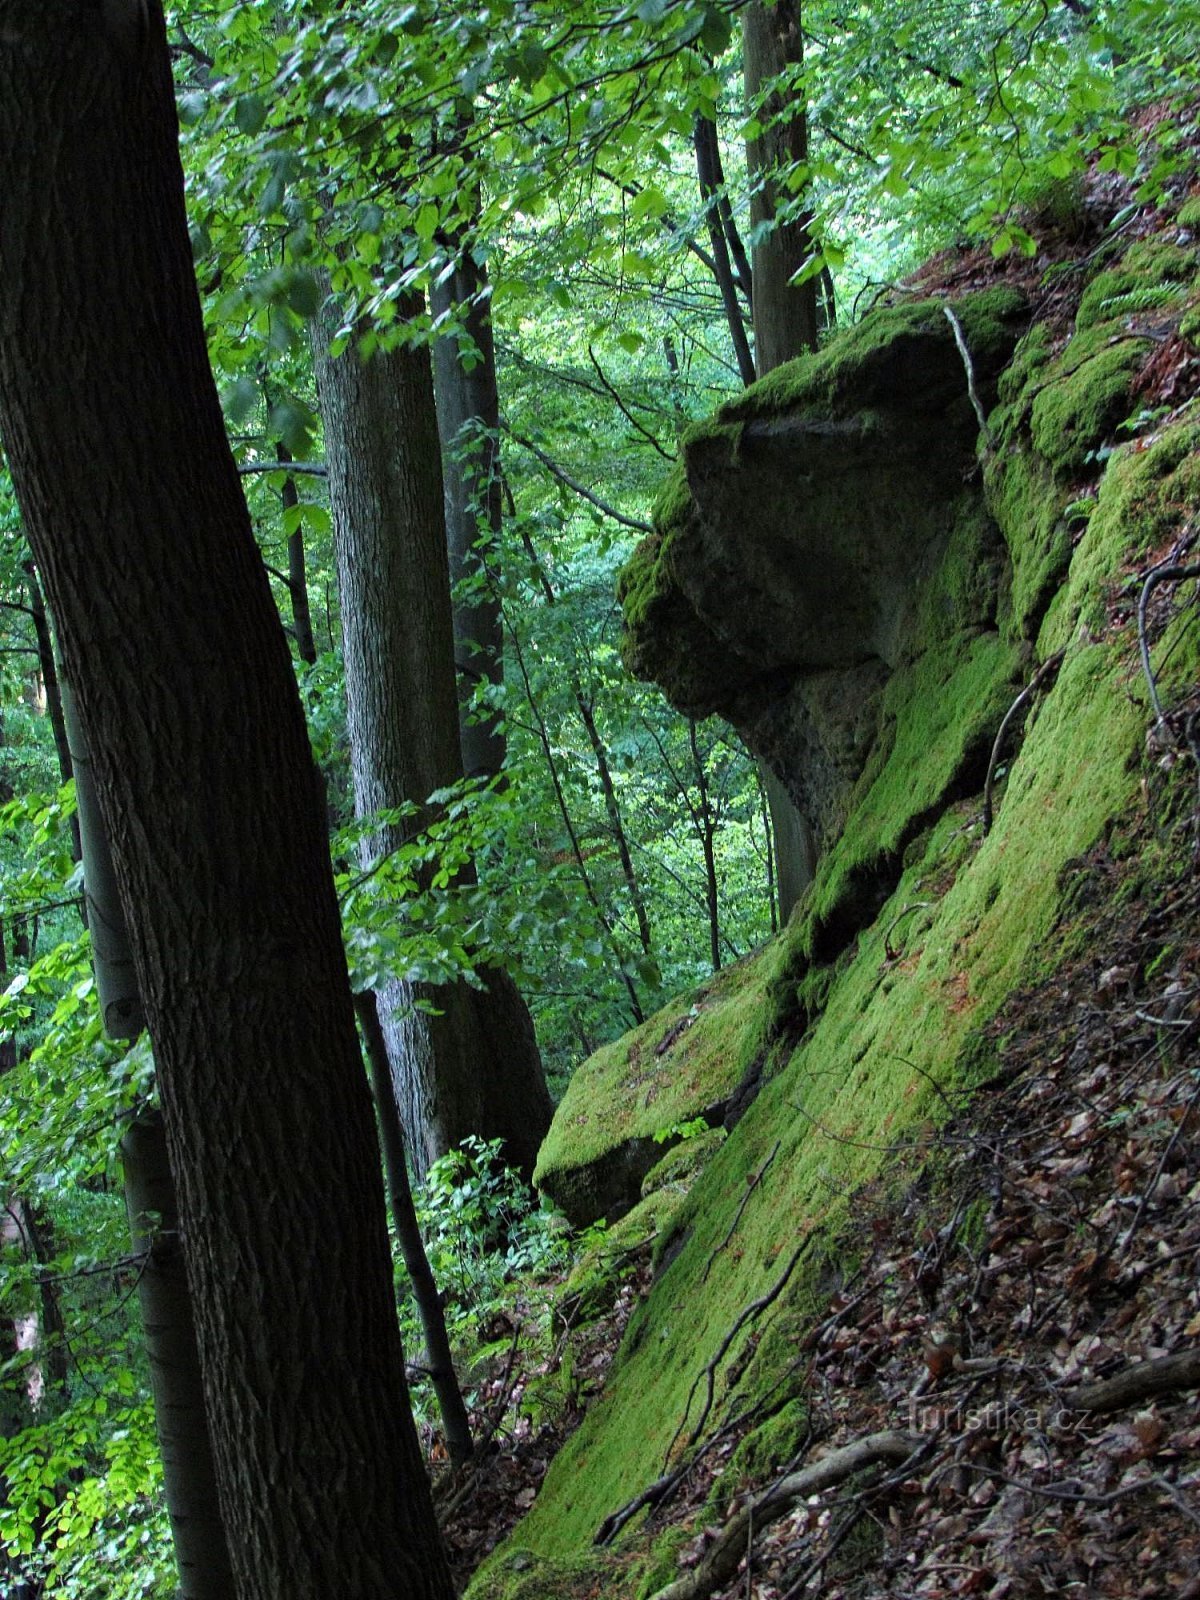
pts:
[474, 1067]
[168, 1322]
[140, 531]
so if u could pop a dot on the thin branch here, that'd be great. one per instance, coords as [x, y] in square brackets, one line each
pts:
[964, 351]
[721, 1561]
[568, 482]
[310, 469]
[1026, 693]
[667, 455]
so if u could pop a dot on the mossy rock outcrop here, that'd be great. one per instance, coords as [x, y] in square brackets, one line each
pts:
[866, 1018]
[826, 529]
[633, 1099]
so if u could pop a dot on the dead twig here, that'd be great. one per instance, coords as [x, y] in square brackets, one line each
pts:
[960, 340]
[1025, 695]
[752, 1183]
[721, 1561]
[1166, 572]
[1164, 1375]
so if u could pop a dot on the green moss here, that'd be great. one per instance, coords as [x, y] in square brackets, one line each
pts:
[1188, 215]
[962, 595]
[1084, 399]
[1147, 494]
[879, 360]
[1059, 411]
[1029, 357]
[632, 1089]
[514, 1573]
[641, 580]
[942, 712]
[861, 1080]
[879, 1045]
[683, 1162]
[1147, 266]
[1028, 504]
[768, 1447]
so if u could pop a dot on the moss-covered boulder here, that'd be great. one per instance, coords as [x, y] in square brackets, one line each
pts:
[636, 1098]
[826, 529]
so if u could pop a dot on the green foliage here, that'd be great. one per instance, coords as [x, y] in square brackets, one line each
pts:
[482, 1227]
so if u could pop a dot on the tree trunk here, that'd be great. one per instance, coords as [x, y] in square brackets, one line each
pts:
[289, 498]
[408, 1232]
[136, 518]
[704, 139]
[707, 827]
[473, 1068]
[468, 416]
[785, 314]
[168, 1322]
[189, 1474]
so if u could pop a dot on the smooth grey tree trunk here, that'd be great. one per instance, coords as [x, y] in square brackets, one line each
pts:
[474, 1067]
[134, 511]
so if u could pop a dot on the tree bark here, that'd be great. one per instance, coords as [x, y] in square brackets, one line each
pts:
[785, 314]
[474, 1067]
[135, 514]
[189, 1474]
[168, 1322]
[468, 416]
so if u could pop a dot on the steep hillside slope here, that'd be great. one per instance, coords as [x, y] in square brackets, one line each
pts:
[867, 563]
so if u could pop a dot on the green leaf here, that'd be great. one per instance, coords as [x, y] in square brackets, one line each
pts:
[716, 32]
[249, 114]
[304, 294]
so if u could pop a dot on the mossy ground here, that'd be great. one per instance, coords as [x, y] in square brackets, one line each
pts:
[873, 1076]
